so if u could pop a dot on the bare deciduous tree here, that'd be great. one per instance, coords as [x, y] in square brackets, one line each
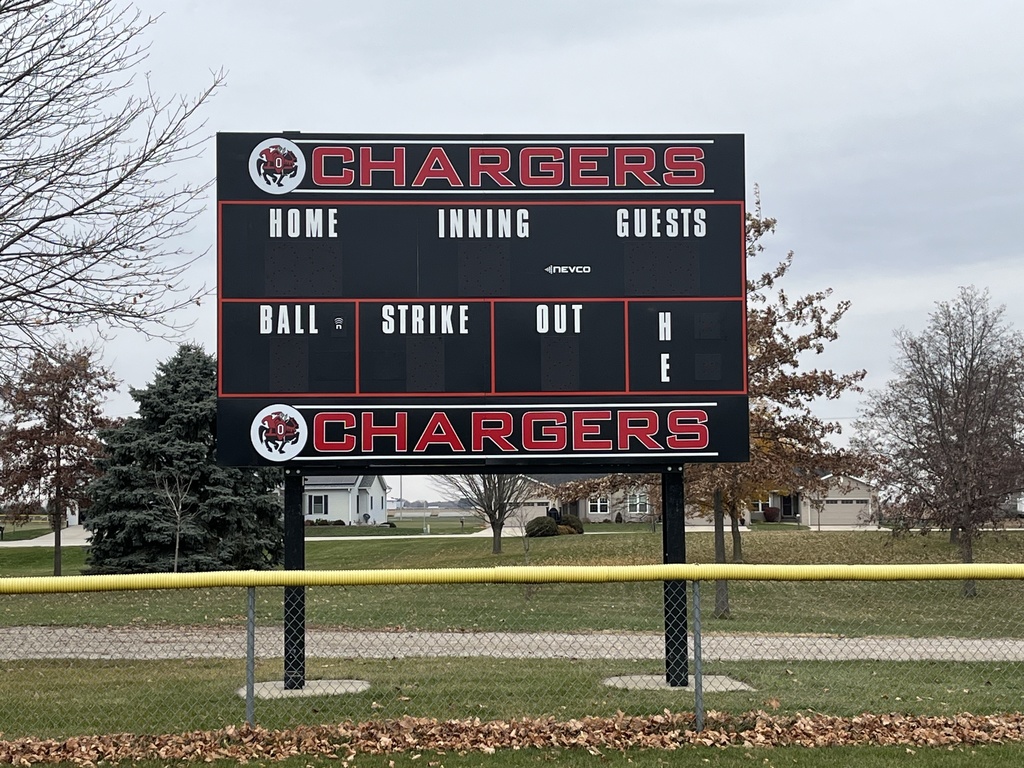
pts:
[948, 428]
[180, 501]
[90, 211]
[492, 498]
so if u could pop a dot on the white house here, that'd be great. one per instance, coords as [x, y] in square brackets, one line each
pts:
[353, 499]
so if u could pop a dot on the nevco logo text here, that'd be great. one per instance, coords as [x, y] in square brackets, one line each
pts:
[556, 269]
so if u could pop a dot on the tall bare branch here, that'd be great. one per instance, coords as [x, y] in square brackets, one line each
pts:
[90, 214]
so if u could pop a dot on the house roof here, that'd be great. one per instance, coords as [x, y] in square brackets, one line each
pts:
[860, 480]
[344, 481]
[557, 479]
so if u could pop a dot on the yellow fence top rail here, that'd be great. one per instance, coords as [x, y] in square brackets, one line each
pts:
[508, 575]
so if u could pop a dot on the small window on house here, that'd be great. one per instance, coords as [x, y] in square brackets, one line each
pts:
[317, 505]
[846, 501]
[636, 504]
[598, 505]
[831, 501]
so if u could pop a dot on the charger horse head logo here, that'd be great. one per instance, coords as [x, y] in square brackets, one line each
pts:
[277, 163]
[278, 430]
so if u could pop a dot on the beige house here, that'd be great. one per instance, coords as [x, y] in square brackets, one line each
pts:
[844, 501]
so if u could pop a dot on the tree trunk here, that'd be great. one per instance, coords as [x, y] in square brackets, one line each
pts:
[970, 588]
[496, 527]
[721, 586]
[954, 535]
[177, 543]
[56, 516]
[737, 541]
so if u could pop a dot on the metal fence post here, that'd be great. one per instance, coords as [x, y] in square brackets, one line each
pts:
[673, 532]
[294, 597]
[250, 659]
[698, 665]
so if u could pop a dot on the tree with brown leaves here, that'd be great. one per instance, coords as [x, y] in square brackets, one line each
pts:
[790, 445]
[949, 428]
[90, 212]
[49, 444]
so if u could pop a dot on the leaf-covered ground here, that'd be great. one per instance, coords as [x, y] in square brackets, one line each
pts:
[592, 734]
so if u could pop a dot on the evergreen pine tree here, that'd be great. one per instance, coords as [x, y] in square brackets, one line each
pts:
[162, 503]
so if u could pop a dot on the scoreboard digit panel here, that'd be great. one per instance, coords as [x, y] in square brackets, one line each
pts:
[417, 303]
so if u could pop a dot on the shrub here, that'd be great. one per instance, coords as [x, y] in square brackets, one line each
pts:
[338, 522]
[565, 530]
[541, 526]
[573, 522]
[618, 517]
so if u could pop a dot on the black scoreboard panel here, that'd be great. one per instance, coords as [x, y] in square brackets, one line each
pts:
[400, 250]
[369, 322]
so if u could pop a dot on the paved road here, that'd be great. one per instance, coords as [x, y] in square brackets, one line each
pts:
[200, 642]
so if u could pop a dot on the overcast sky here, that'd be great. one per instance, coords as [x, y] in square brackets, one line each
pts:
[887, 138]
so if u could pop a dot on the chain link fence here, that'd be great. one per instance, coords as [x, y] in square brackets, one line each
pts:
[561, 642]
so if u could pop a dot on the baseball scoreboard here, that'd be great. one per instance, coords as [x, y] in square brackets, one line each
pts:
[422, 303]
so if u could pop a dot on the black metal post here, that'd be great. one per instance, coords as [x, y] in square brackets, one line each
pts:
[294, 597]
[673, 531]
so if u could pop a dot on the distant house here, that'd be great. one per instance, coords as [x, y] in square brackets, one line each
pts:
[352, 499]
[844, 501]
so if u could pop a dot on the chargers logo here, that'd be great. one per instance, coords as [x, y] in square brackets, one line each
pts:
[278, 433]
[277, 166]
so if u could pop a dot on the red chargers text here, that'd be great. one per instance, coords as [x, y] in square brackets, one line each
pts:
[533, 167]
[499, 432]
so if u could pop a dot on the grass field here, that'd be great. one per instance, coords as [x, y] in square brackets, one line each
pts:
[200, 694]
[842, 608]
[156, 696]
[30, 530]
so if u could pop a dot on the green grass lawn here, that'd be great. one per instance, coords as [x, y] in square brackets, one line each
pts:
[843, 608]
[112, 696]
[23, 532]
[58, 698]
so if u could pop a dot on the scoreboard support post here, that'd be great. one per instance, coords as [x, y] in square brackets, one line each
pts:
[294, 597]
[673, 530]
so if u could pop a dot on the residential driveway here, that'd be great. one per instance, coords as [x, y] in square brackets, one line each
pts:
[72, 536]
